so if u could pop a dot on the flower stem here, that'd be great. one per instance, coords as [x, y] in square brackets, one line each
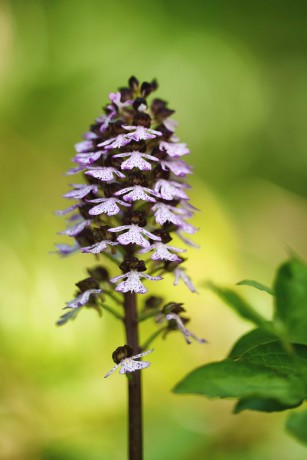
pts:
[135, 429]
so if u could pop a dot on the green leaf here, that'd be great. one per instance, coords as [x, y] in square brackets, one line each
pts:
[233, 379]
[296, 424]
[252, 339]
[236, 302]
[291, 301]
[263, 405]
[256, 285]
[273, 356]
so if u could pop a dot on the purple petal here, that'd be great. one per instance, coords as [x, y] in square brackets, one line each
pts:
[81, 192]
[76, 229]
[83, 146]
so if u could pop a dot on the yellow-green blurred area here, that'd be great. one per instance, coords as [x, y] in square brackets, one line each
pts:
[236, 73]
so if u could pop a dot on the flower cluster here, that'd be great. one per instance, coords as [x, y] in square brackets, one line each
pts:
[135, 196]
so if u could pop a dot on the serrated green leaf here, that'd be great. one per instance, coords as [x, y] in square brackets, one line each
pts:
[238, 304]
[256, 285]
[291, 301]
[252, 339]
[233, 379]
[296, 424]
[263, 405]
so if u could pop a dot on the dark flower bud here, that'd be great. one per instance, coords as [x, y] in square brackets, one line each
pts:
[121, 353]
[86, 284]
[137, 178]
[85, 238]
[132, 263]
[153, 302]
[133, 146]
[115, 128]
[159, 173]
[136, 218]
[133, 83]
[110, 189]
[102, 233]
[142, 119]
[146, 89]
[166, 133]
[139, 102]
[154, 85]
[165, 236]
[173, 307]
[99, 273]
[126, 94]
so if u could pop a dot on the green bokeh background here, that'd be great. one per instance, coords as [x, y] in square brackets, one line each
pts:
[236, 73]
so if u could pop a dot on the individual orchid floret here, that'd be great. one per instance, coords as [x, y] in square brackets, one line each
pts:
[141, 133]
[84, 146]
[80, 191]
[88, 158]
[75, 170]
[104, 238]
[178, 167]
[185, 332]
[162, 250]
[174, 149]
[181, 274]
[137, 192]
[67, 210]
[116, 99]
[116, 142]
[172, 312]
[136, 160]
[123, 356]
[66, 249]
[87, 288]
[170, 190]
[107, 206]
[133, 269]
[165, 213]
[134, 235]
[76, 229]
[105, 173]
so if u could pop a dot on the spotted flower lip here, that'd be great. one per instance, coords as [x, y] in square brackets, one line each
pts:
[107, 206]
[132, 282]
[162, 252]
[185, 332]
[82, 299]
[136, 160]
[137, 192]
[105, 173]
[99, 247]
[130, 365]
[116, 143]
[141, 133]
[134, 235]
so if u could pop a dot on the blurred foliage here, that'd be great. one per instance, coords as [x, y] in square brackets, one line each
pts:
[236, 74]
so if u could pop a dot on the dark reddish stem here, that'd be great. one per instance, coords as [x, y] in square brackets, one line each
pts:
[135, 429]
